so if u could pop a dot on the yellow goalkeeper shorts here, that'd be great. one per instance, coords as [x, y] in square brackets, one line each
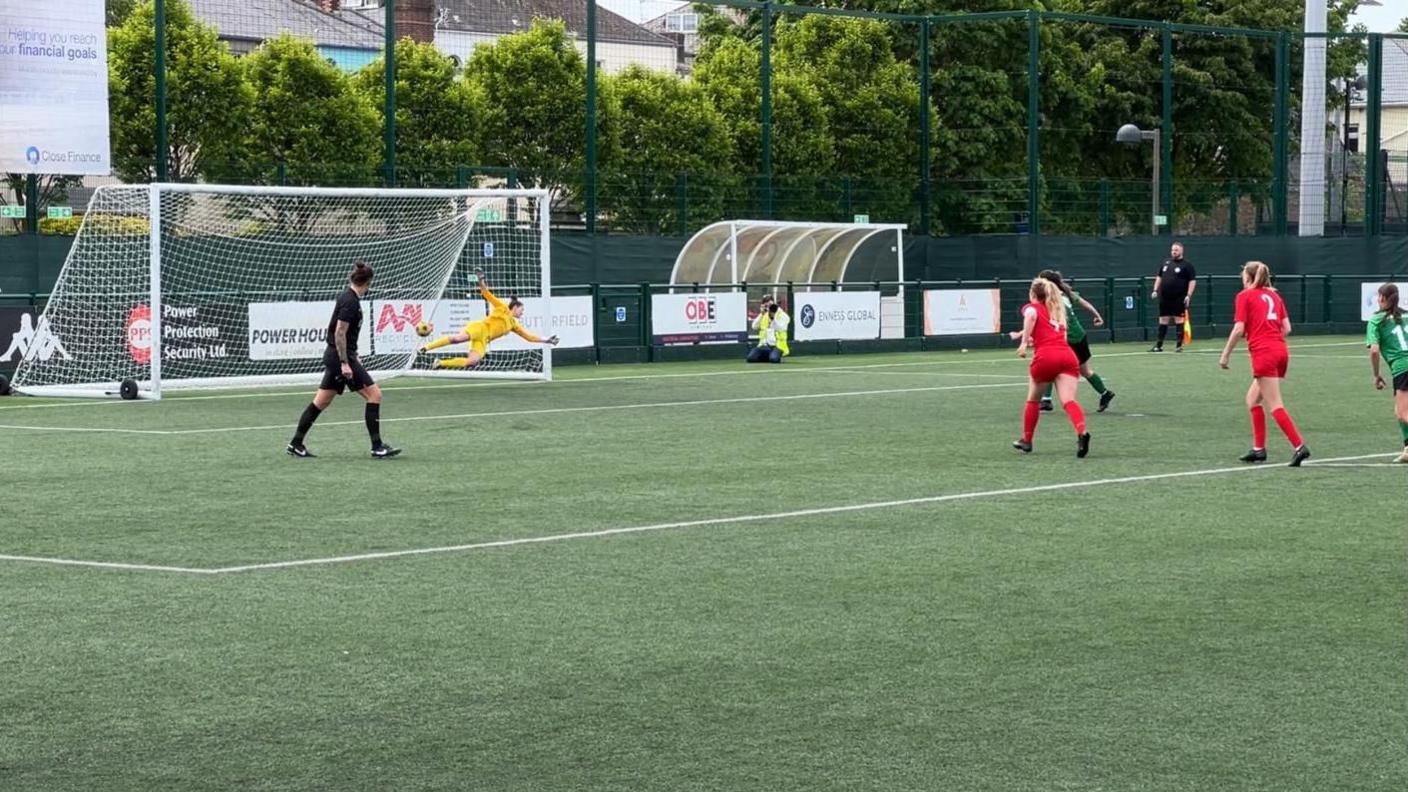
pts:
[478, 337]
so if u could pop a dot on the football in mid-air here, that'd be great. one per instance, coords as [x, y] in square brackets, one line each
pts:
[424, 329]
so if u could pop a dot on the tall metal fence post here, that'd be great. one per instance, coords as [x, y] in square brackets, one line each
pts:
[765, 79]
[389, 99]
[590, 175]
[1033, 118]
[1166, 137]
[31, 206]
[162, 146]
[1280, 136]
[1233, 199]
[925, 186]
[1373, 122]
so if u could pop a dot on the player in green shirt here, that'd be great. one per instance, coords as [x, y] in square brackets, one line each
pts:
[1075, 336]
[1387, 338]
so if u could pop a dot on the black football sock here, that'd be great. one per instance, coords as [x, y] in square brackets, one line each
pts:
[310, 414]
[1163, 333]
[374, 423]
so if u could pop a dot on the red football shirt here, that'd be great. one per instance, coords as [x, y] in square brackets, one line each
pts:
[1262, 310]
[1047, 336]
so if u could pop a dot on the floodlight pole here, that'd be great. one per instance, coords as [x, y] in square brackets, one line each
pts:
[1158, 168]
[1131, 135]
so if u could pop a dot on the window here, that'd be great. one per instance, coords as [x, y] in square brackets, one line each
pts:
[682, 23]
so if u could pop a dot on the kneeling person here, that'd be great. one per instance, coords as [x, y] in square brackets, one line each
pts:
[771, 324]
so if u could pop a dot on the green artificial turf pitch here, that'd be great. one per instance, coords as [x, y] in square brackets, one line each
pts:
[1229, 629]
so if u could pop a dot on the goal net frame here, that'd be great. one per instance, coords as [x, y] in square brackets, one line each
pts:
[154, 384]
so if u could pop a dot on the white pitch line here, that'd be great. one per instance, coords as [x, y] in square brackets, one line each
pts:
[96, 430]
[1380, 465]
[750, 518]
[614, 407]
[795, 366]
[107, 565]
[542, 411]
[744, 518]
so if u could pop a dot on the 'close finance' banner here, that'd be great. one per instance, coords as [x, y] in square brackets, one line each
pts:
[54, 87]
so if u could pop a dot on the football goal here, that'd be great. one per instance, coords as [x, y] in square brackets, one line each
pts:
[211, 286]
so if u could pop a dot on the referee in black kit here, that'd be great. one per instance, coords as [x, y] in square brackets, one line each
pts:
[342, 369]
[1173, 288]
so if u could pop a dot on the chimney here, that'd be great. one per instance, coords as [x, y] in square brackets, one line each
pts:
[330, 6]
[415, 18]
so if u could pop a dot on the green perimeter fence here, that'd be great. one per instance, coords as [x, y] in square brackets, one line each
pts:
[996, 121]
[622, 324]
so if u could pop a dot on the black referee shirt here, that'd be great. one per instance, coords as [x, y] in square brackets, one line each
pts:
[1176, 275]
[349, 310]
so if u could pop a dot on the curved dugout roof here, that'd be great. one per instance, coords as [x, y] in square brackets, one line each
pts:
[769, 251]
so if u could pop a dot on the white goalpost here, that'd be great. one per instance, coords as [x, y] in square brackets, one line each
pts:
[172, 286]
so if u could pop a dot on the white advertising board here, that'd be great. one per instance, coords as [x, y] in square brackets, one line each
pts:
[699, 318]
[818, 316]
[54, 87]
[396, 320]
[296, 330]
[1369, 298]
[962, 311]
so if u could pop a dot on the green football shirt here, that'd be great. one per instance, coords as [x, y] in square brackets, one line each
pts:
[1392, 339]
[1075, 331]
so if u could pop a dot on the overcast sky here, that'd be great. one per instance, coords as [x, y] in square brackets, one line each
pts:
[1382, 19]
[1379, 20]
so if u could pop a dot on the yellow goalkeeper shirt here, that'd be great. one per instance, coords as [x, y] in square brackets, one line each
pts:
[498, 323]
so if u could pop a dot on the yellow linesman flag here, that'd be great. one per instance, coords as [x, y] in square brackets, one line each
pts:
[1187, 329]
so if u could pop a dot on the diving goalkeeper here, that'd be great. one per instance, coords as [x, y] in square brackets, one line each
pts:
[502, 320]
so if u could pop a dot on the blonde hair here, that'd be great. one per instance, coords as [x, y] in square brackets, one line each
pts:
[1258, 273]
[1050, 295]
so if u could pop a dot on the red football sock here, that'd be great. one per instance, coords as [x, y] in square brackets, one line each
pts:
[1077, 416]
[1288, 427]
[1029, 419]
[1258, 428]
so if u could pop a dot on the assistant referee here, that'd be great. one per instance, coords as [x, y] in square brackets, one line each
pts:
[1173, 288]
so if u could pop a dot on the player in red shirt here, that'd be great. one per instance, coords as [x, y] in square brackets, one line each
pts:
[1261, 317]
[1044, 326]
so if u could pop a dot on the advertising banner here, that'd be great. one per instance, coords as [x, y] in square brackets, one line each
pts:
[54, 87]
[394, 323]
[699, 318]
[24, 335]
[297, 330]
[962, 311]
[820, 316]
[1369, 298]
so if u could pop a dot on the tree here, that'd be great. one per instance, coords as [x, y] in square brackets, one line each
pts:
[208, 99]
[803, 153]
[307, 124]
[118, 11]
[437, 115]
[671, 139]
[533, 91]
[872, 105]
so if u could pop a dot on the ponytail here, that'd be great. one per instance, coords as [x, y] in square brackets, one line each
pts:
[1050, 294]
[361, 274]
[1389, 291]
[1055, 277]
[1258, 273]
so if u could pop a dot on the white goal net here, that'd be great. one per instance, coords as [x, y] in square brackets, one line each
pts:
[205, 286]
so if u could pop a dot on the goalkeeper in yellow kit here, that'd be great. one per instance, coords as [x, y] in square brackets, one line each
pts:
[502, 319]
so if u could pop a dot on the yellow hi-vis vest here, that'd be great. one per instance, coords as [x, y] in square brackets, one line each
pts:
[779, 333]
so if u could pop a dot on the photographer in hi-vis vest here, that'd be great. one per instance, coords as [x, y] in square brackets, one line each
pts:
[771, 324]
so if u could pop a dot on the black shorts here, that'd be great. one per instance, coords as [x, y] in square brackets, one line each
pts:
[1400, 381]
[332, 374]
[1082, 350]
[1172, 305]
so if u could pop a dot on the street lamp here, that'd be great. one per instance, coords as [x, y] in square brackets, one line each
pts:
[1131, 135]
